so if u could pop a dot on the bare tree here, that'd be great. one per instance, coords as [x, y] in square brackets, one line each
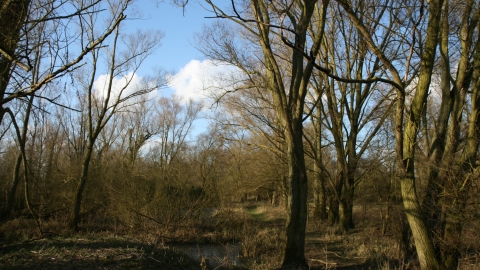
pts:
[266, 24]
[175, 123]
[31, 76]
[406, 129]
[449, 175]
[20, 21]
[169, 153]
[354, 112]
[124, 56]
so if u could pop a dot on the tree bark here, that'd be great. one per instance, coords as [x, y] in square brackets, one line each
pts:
[346, 208]
[333, 210]
[421, 234]
[296, 201]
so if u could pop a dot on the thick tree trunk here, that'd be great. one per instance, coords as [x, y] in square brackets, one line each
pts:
[346, 212]
[289, 102]
[294, 257]
[437, 148]
[346, 204]
[421, 235]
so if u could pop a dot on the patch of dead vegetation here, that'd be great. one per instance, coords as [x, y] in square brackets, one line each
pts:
[96, 253]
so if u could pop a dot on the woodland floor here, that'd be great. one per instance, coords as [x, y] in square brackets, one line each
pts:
[363, 248]
[81, 253]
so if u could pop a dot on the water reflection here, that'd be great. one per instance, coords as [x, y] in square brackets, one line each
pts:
[217, 254]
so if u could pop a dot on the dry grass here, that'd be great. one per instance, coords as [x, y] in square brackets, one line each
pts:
[258, 227]
[96, 253]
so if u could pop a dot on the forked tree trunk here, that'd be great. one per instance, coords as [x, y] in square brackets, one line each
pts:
[406, 129]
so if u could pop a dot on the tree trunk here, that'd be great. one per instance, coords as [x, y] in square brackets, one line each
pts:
[13, 188]
[423, 242]
[297, 200]
[333, 210]
[437, 148]
[452, 234]
[406, 252]
[319, 194]
[457, 188]
[320, 198]
[346, 212]
[77, 202]
[408, 144]
[22, 138]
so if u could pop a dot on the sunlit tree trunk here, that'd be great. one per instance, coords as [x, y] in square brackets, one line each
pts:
[406, 129]
[454, 193]
[420, 231]
[447, 191]
[437, 147]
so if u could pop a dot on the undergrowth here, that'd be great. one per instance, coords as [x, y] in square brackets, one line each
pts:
[258, 229]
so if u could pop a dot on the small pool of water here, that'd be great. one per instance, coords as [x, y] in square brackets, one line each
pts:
[217, 254]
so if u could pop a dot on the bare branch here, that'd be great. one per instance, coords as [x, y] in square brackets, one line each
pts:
[92, 46]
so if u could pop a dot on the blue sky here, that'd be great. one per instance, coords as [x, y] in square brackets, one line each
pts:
[191, 72]
[176, 53]
[179, 28]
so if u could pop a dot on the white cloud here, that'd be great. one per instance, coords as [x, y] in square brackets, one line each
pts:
[202, 79]
[122, 87]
